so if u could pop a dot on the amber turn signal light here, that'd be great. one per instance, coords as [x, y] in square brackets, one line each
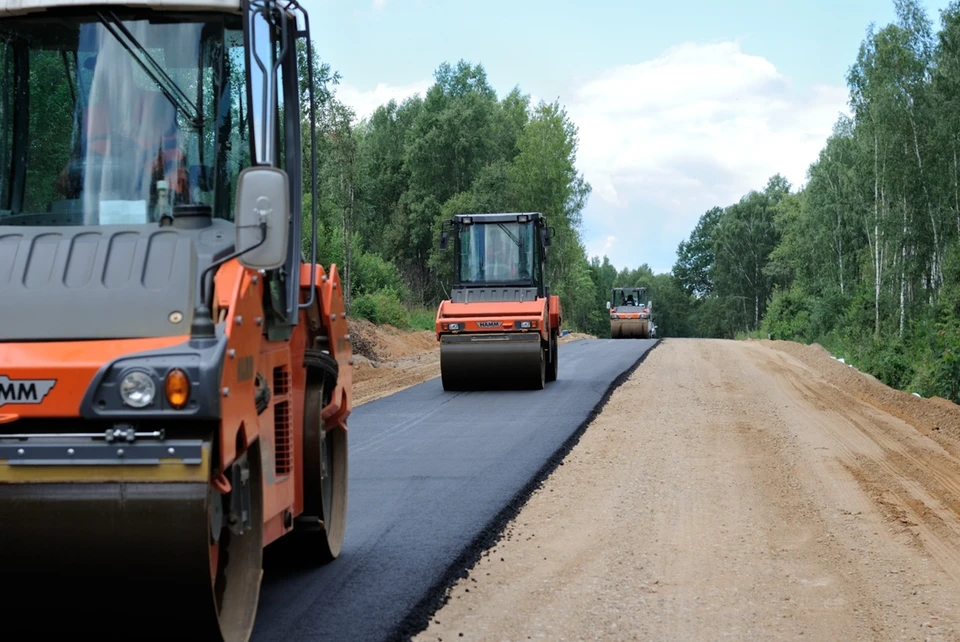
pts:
[177, 388]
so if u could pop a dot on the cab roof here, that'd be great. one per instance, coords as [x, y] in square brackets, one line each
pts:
[505, 217]
[20, 7]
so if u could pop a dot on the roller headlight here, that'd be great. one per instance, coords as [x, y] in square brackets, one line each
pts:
[137, 389]
[454, 326]
[524, 324]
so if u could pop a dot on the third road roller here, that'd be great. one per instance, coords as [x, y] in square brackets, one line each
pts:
[499, 328]
[630, 314]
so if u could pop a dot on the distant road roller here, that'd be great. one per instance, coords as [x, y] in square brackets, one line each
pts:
[499, 328]
[175, 374]
[630, 314]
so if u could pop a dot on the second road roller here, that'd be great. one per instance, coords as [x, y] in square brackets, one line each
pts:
[499, 328]
[630, 314]
[175, 373]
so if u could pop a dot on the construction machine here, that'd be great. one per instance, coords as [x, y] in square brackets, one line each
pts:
[630, 314]
[175, 365]
[500, 326]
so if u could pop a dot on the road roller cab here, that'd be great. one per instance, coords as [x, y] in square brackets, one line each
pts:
[630, 314]
[175, 373]
[500, 326]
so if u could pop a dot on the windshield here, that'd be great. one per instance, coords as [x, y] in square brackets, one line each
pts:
[496, 253]
[108, 119]
[629, 298]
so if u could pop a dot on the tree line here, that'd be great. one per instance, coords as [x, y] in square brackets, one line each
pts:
[865, 258]
[388, 181]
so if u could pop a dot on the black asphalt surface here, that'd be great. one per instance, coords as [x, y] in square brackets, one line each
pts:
[432, 476]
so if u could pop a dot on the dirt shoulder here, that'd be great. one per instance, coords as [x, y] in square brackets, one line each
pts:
[752, 490]
[574, 336]
[388, 360]
[930, 416]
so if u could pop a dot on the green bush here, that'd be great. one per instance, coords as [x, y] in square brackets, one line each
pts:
[944, 361]
[372, 274]
[383, 307]
[925, 381]
[788, 317]
[423, 319]
[888, 361]
[947, 369]
[826, 313]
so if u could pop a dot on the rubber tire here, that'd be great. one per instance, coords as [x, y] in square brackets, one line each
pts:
[324, 497]
[243, 592]
[553, 366]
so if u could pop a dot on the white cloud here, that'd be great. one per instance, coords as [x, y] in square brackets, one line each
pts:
[664, 140]
[365, 102]
[601, 246]
[379, 4]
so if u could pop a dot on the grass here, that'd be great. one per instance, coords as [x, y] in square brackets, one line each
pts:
[423, 318]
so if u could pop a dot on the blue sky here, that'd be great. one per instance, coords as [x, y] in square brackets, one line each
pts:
[680, 105]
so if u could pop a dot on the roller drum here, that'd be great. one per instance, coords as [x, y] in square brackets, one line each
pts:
[630, 329]
[125, 560]
[492, 362]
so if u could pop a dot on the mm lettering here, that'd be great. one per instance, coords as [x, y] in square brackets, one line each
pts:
[24, 391]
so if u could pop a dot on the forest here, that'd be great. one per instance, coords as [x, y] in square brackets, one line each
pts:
[388, 182]
[864, 258]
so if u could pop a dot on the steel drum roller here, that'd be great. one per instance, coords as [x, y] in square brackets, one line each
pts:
[630, 329]
[124, 560]
[492, 362]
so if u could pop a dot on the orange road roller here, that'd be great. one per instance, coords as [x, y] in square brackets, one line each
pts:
[630, 314]
[175, 372]
[499, 328]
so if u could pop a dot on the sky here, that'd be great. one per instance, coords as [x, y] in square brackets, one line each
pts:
[680, 105]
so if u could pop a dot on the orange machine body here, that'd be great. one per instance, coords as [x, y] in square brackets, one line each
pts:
[543, 315]
[640, 314]
[238, 299]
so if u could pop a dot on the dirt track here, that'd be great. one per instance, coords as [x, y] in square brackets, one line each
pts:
[735, 490]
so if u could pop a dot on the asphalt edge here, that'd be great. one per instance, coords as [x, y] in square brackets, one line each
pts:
[417, 620]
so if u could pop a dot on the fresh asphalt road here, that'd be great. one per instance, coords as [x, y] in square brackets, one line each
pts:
[429, 470]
